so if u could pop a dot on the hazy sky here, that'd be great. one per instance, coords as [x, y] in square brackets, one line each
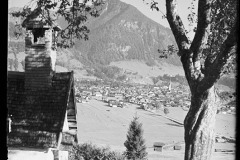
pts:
[145, 9]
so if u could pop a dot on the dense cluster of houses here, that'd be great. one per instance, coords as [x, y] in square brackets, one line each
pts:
[145, 96]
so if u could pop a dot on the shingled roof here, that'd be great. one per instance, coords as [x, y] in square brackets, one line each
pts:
[38, 115]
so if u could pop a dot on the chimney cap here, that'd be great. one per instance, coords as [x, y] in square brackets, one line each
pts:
[36, 23]
[40, 21]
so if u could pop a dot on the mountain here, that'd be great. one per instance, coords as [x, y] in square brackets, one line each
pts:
[123, 33]
[120, 37]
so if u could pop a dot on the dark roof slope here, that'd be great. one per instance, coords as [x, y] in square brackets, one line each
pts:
[37, 115]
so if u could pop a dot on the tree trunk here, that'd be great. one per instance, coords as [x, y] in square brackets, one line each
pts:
[199, 125]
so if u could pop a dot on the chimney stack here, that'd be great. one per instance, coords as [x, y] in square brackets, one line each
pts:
[40, 52]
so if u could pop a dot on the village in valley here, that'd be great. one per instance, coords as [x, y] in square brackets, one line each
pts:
[148, 97]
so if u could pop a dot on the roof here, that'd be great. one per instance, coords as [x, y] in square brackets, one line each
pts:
[37, 123]
[158, 144]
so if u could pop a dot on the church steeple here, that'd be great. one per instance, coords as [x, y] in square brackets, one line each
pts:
[170, 85]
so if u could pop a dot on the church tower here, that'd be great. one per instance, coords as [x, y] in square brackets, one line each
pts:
[170, 85]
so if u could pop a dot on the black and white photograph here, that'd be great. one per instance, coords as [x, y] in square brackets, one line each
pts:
[122, 79]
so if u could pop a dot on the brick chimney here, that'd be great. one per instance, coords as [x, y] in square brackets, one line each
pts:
[40, 57]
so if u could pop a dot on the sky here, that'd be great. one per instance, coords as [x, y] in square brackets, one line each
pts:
[144, 8]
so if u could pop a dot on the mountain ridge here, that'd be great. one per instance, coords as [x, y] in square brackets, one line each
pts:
[124, 33]
[122, 36]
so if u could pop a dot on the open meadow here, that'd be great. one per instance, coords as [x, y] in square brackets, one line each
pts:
[102, 125]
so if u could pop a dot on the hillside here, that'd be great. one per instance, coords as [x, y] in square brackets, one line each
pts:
[121, 37]
[124, 33]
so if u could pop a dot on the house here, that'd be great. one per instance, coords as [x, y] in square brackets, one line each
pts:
[177, 147]
[98, 94]
[112, 103]
[41, 102]
[118, 95]
[158, 146]
[111, 94]
[156, 87]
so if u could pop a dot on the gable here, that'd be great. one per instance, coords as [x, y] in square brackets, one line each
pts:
[38, 115]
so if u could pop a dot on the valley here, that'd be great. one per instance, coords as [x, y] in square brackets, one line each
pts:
[118, 74]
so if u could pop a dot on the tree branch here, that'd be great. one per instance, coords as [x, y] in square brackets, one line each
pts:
[226, 51]
[176, 25]
[217, 68]
[192, 73]
[203, 28]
